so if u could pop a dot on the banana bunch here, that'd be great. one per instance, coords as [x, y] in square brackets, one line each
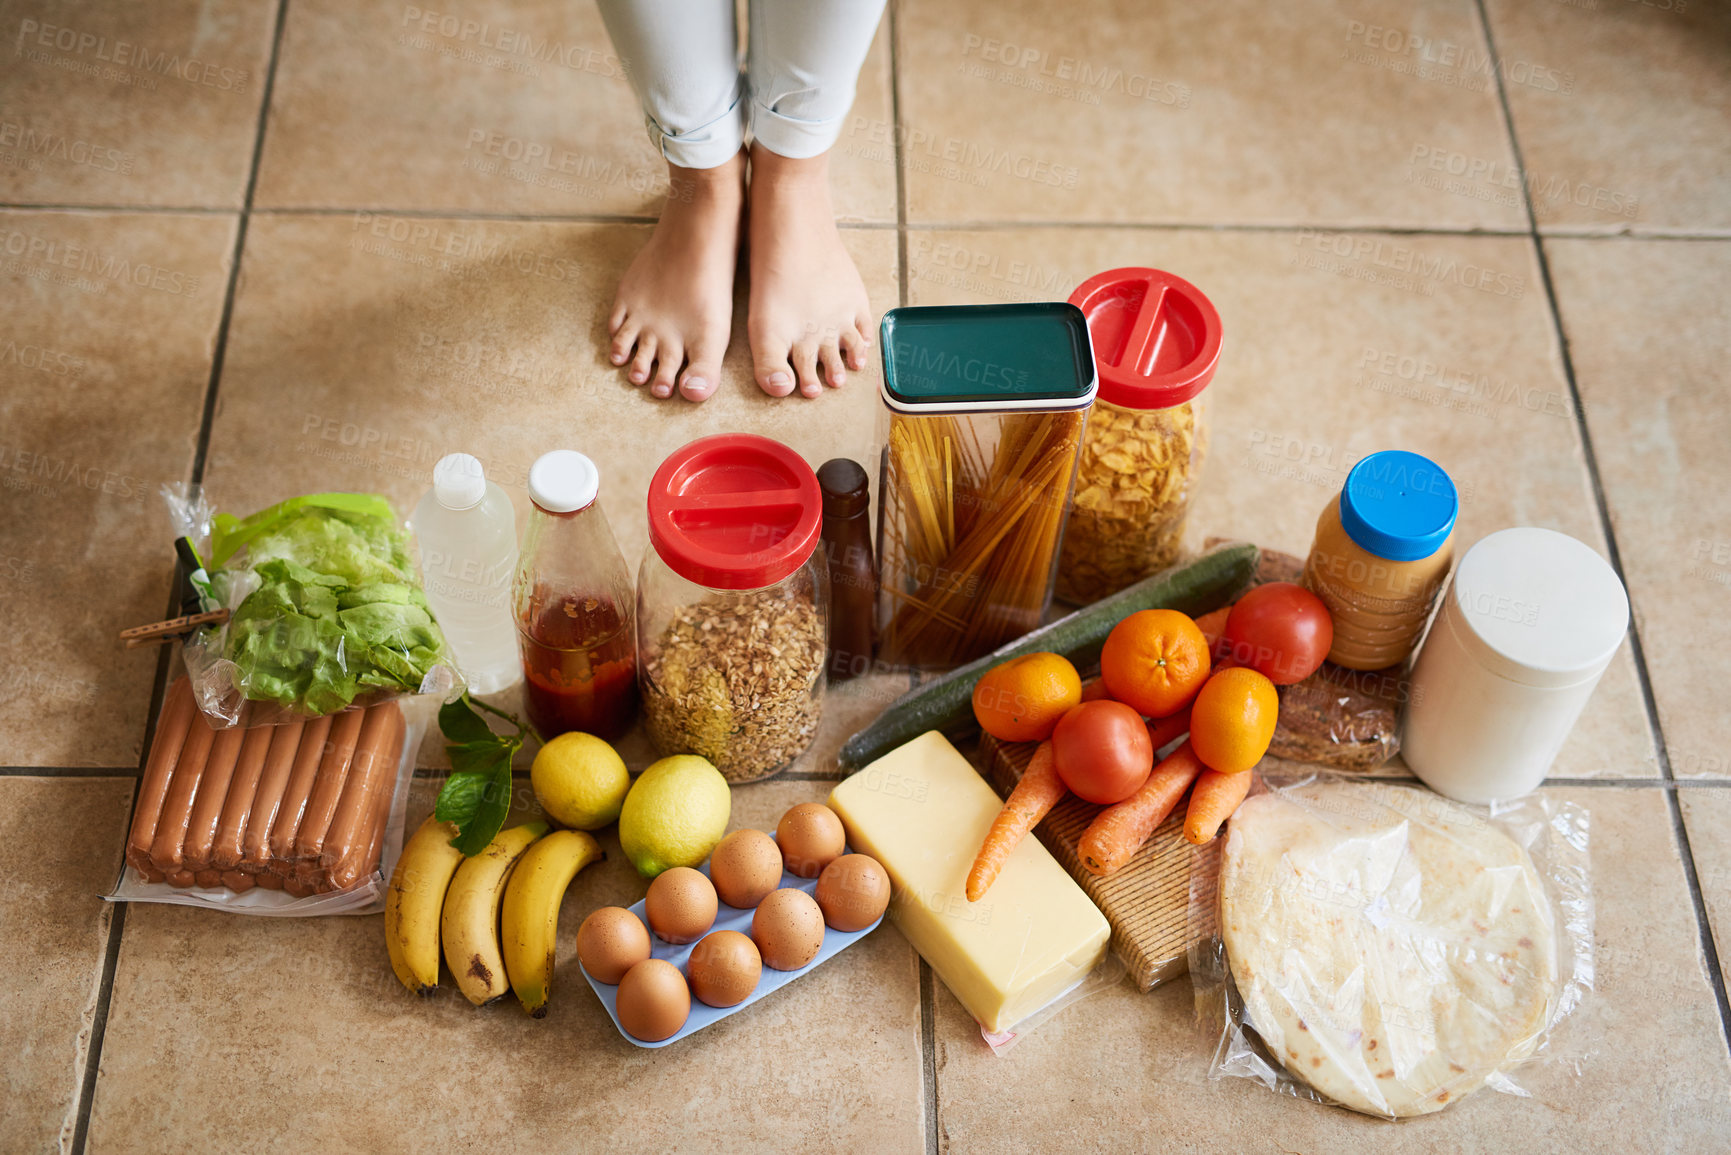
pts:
[519, 880]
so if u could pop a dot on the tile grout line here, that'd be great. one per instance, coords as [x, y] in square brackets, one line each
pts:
[928, 1014]
[221, 350]
[1656, 729]
[117, 923]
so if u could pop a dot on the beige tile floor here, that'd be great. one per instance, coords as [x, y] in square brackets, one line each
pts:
[225, 252]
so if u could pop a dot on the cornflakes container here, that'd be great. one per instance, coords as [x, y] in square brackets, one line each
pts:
[1156, 341]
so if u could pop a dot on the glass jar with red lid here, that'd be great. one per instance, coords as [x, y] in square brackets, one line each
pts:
[573, 605]
[1156, 340]
[733, 605]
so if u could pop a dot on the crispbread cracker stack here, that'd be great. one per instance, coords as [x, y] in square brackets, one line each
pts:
[1392, 949]
[1145, 901]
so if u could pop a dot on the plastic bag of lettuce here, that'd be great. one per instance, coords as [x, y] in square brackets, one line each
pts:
[325, 610]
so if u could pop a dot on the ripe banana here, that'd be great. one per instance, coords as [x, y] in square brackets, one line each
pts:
[413, 902]
[530, 915]
[471, 919]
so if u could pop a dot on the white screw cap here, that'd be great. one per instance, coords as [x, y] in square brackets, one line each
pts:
[458, 481]
[563, 481]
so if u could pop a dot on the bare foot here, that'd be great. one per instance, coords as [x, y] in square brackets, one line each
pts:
[808, 304]
[675, 305]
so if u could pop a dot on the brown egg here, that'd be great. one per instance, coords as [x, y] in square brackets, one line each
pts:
[811, 837]
[654, 1001]
[681, 905]
[744, 867]
[724, 969]
[787, 928]
[610, 942]
[853, 891]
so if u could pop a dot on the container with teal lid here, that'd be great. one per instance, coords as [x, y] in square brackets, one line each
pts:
[984, 410]
[1382, 550]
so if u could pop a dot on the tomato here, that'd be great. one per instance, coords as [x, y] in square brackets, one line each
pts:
[1280, 630]
[1102, 751]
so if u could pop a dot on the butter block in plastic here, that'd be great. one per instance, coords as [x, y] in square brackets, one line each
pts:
[923, 811]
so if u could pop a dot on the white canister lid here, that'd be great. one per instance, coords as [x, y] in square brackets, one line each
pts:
[1538, 607]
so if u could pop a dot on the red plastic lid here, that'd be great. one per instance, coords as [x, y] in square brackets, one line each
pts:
[734, 511]
[1156, 337]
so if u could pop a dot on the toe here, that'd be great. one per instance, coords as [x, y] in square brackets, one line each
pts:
[853, 349]
[770, 366]
[624, 337]
[668, 359]
[834, 372]
[702, 375]
[644, 360]
[617, 317]
[805, 367]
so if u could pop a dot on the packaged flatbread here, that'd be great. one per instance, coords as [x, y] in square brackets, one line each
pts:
[1389, 950]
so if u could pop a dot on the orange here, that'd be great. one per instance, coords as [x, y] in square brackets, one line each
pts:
[1232, 720]
[1154, 661]
[1022, 699]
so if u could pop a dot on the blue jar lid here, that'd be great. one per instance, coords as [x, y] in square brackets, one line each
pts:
[1398, 505]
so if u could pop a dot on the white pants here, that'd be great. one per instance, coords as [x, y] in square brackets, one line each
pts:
[802, 62]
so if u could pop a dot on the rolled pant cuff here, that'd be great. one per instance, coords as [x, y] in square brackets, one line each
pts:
[708, 146]
[791, 137]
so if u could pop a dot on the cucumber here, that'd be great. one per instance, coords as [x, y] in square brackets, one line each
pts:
[944, 703]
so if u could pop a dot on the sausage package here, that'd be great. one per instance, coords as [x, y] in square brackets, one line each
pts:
[325, 609]
[1376, 946]
[304, 817]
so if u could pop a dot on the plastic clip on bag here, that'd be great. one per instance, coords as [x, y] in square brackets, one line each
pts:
[325, 610]
[1377, 946]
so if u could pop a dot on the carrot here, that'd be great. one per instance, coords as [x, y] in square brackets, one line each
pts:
[1163, 730]
[1216, 796]
[1119, 831]
[1037, 792]
[1213, 625]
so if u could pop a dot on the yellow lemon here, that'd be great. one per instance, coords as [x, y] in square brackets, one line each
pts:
[580, 781]
[675, 814]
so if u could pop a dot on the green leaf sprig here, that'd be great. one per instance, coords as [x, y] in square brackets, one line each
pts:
[477, 795]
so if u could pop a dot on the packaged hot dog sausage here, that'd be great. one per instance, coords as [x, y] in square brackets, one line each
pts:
[325, 610]
[293, 819]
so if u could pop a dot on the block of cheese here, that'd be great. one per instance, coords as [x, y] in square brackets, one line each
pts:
[923, 811]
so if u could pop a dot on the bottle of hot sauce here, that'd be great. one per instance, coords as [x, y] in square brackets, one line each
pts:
[573, 603]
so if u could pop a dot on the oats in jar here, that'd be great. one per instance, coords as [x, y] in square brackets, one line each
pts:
[736, 681]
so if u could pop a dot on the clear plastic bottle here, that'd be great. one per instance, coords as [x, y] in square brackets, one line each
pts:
[467, 534]
[574, 606]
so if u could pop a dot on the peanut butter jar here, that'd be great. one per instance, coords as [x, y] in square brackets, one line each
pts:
[1382, 551]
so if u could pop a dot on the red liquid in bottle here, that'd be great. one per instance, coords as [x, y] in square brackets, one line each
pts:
[579, 665]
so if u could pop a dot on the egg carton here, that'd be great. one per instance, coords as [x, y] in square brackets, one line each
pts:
[726, 918]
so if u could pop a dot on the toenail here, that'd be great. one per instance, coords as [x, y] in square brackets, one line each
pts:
[661, 390]
[778, 378]
[619, 358]
[639, 377]
[696, 384]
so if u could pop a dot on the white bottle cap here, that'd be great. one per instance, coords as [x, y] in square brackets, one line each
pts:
[1539, 607]
[458, 481]
[563, 481]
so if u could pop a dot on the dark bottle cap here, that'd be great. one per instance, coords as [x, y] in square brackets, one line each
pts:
[846, 489]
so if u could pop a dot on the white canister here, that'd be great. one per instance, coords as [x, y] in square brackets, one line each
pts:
[1529, 624]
